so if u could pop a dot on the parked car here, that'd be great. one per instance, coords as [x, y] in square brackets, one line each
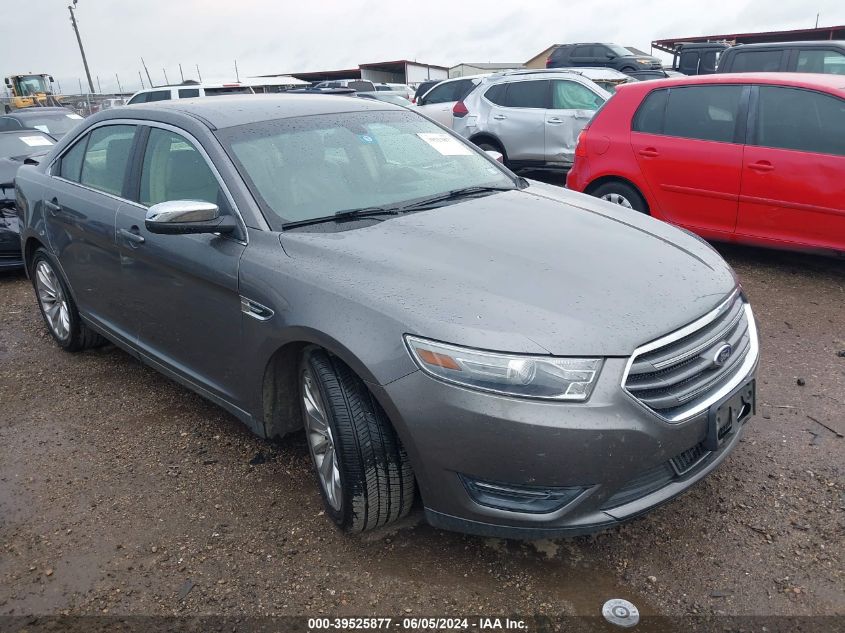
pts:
[825, 56]
[533, 361]
[15, 147]
[403, 90]
[187, 91]
[387, 97]
[752, 158]
[424, 87]
[606, 78]
[648, 75]
[354, 84]
[533, 117]
[438, 102]
[53, 121]
[698, 58]
[599, 54]
[112, 103]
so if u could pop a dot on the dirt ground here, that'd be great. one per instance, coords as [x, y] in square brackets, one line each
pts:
[123, 493]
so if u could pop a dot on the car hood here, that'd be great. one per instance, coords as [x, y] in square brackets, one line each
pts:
[542, 270]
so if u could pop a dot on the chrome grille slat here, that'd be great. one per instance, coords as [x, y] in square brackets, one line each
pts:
[690, 345]
[678, 376]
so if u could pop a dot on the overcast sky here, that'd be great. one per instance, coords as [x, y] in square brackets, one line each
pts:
[276, 36]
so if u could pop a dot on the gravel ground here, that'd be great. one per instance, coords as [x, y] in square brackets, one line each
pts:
[123, 493]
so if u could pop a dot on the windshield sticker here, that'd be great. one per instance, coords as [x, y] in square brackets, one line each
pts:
[365, 138]
[36, 141]
[73, 116]
[42, 128]
[445, 144]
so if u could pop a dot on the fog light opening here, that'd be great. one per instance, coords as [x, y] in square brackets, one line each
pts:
[518, 498]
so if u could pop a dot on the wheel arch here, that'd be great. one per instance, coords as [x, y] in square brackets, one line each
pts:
[29, 248]
[483, 137]
[280, 406]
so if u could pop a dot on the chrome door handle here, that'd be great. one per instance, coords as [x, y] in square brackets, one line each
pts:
[53, 206]
[554, 120]
[499, 117]
[132, 237]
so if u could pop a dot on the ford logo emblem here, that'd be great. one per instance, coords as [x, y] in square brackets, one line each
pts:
[723, 353]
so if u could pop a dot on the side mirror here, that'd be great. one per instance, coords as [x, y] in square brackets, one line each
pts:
[611, 56]
[51, 79]
[497, 156]
[185, 217]
[8, 83]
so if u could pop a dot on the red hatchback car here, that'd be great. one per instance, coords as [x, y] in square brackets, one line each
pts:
[752, 158]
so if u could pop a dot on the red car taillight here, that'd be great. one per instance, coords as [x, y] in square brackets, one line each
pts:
[581, 144]
[459, 110]
[549, 61]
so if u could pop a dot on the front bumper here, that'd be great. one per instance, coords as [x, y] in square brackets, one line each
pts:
[613, 448]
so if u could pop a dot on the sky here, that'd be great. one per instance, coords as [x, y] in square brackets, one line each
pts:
[278, 36]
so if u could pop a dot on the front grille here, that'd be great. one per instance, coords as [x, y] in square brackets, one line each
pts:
[674, 376]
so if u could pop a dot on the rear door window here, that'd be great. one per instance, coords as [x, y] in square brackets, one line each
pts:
[821, 61]
[707, 113]
[441, 94]
[757, 61]
[71, 163]
[528, 94]
[802, 120]
[584, 51]
[106, 158]
[187, 93]
[649, 116]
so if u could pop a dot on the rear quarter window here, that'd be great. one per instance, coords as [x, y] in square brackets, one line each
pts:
[649, 116]
[755, 61]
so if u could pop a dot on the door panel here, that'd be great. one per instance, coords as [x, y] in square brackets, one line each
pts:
[182, 290]
[693, 168]
[520, 123]
[572, 107]
[793, 188]
[80, 219]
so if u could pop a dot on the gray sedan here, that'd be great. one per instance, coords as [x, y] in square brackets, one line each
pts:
[525, 360]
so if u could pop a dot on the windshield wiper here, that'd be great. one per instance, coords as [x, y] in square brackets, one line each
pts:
[346, 214]
[455, 194]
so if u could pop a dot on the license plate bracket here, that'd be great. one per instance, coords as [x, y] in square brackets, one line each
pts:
[724, 418]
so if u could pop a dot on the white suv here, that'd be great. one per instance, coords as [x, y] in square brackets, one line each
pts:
[188, 91]
[533, 117]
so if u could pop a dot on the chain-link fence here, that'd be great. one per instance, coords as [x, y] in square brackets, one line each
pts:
[82, 104]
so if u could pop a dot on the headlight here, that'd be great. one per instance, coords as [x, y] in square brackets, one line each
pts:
[545, 377]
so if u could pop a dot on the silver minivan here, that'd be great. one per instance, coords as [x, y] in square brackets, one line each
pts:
[532, 117]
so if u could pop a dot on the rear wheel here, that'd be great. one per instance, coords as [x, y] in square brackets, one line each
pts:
[57, 306]
[489, 146]
[622, 194]
[363, 470]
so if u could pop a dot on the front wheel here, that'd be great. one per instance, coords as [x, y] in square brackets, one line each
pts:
[363, 470]
[621, 194]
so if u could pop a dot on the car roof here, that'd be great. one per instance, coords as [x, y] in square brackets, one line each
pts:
[228, 111]
[831, 83]
[805, 44]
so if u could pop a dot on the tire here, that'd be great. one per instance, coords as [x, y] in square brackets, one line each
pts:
[374, 482]
[57, 306]
[495, 147]
[622, 194]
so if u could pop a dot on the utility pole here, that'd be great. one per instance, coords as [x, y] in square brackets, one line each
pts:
[237, 77]
[181, 75]
[141, 77]
[99, 87]
[119, 87]
[146, 70]
[198, 73]
[817, 20]
[79, 40]
[166, 80]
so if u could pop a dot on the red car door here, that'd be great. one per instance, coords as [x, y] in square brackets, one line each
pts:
[693, 163]
[793, 177]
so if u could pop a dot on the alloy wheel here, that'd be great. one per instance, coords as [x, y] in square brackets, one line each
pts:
[320, 440]
[52, 299]
[619, 199]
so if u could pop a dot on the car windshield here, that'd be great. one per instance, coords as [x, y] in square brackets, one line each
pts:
[312, 167]
[23, 143]
[56, 124]
[618, 50]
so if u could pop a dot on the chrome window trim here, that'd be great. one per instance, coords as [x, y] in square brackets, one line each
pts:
[171, 128]
[740, 375]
